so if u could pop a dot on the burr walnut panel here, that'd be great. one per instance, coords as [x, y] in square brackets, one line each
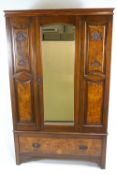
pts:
[24, 101]
[60, 146]
[95, 48]
[94, 102]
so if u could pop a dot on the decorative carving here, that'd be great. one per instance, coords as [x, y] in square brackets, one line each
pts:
[96, 47]
[21, 49]
[95, 63]
[23, 76]
[23, 61]
[21, 36]
[96, 36]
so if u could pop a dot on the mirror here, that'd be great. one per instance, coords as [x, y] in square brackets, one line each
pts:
[58, 57]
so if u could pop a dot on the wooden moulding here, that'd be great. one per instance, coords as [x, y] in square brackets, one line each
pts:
[40, 12]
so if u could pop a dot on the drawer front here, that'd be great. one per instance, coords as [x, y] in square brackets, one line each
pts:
[60, 146]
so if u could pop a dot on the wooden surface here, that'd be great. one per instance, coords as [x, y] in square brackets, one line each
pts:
[93, 33]
[94, 103]
[95, 73]
[54, 146]
[31, 145]
[54, 12]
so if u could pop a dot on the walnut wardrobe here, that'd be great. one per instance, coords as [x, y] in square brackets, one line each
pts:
[59, 67]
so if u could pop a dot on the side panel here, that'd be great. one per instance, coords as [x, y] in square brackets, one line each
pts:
[23, 73]
[95, 71]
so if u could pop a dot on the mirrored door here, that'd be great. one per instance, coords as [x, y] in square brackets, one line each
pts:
[58, 60]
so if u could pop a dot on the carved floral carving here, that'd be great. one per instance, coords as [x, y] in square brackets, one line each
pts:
[95, 63]
[21, 36]
[96, 36]
[22, 62]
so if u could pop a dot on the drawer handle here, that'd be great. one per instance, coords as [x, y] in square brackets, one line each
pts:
[35, 145]
[83, 147]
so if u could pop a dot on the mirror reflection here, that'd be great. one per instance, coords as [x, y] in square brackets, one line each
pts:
[58, 56]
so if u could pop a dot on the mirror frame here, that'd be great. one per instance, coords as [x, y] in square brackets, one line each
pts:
[72, 20]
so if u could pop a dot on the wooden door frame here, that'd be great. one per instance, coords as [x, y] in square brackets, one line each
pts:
[67, 20]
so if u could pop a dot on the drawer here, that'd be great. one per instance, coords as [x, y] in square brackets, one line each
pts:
[60, 146]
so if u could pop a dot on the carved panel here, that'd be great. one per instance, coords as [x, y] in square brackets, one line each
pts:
[94, 102]
[21, 49]
[96, 48]
[23, 76]
[24, 101]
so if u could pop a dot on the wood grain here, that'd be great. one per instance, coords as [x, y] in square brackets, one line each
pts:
[24, 101]
[94, 103]
[55, 146]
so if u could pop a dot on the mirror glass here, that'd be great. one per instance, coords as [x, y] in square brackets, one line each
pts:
[58, 57]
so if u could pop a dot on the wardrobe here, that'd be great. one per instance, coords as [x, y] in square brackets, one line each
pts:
[59, 68]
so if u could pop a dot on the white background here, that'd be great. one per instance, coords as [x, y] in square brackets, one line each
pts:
[7, 155]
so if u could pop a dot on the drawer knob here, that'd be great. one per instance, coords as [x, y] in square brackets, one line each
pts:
[35, 145]
[83, 147]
